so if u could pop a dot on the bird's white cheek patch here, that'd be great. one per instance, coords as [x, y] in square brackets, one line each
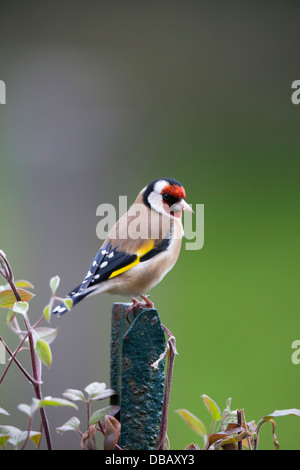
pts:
[169, 211]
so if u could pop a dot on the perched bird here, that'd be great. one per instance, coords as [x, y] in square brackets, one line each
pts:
[141, 247]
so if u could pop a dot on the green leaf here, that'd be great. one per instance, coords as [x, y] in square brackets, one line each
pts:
[68, 303]
[43, 351]
[10, 316]
[193, 422]
[278, 413]
[3, 439]
[28, 409]
[12, 432]
[24, 284]
[21, 436]
[50, 401]
[35, 437]
[71, 425]
[275, 414]
[99, 415]
[8, 300]
[98, 391]
[21, 307]
[94, 388]
[46, 334]
[212, 407]
[54, 283]
[4, 412]
[74, 395]
[4, 429]
[47, 312]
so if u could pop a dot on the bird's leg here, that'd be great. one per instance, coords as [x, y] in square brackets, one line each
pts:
[135, 303]
[147, 301]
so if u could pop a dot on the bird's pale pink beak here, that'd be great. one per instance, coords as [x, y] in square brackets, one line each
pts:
[185, 206]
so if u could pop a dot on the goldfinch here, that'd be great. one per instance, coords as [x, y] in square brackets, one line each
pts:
[140, 249]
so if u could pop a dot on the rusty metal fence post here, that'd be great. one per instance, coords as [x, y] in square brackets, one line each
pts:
[135, 346]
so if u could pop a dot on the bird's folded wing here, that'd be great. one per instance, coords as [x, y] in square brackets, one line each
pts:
[110, 262]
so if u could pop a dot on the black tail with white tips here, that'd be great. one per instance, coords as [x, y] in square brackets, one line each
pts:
[76, 296]
[89, 284]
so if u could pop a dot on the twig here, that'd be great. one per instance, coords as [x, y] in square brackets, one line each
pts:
[13, 359]
[6, 272]
[246, 427]
[28, 433]
[171, 352]
[239, 420]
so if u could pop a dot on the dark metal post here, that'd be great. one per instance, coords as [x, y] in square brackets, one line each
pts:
[139, 386]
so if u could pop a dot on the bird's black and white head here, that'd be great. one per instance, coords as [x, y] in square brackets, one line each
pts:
[166, 196]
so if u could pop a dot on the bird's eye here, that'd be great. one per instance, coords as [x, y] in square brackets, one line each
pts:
[169, 199]
[166, 197]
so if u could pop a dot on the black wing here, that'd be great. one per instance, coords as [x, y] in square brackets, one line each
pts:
[109, 262]
[106, 262]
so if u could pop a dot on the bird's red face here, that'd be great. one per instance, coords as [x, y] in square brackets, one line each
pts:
[173, 200]
[166, 196]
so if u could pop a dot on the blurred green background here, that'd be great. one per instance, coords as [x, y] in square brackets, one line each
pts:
[104, 97]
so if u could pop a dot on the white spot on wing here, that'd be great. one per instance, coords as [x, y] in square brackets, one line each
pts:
[102, 265]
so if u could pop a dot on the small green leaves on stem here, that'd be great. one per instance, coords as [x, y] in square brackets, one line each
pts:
[47, 312]
[54, 283]
[193, 422]
[74, 395]
[52, 401]
[43, 351]
[21, 307]
[102, 420]
[45, 333]
[212, 407]
[8, 297]
[68, 303]
[98, 391]
[233, 431]
[99, 415]
[275, 414]
[14, 436]
[71, 425]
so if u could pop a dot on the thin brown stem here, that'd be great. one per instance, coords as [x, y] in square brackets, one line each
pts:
[7, 273]
[239, 420]
[171, 353]
[246, 427]
[28, 433]
[13, 359]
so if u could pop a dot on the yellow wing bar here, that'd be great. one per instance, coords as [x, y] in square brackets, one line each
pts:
[148, 246]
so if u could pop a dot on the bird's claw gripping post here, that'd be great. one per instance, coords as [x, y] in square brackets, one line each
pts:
[137, 304]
